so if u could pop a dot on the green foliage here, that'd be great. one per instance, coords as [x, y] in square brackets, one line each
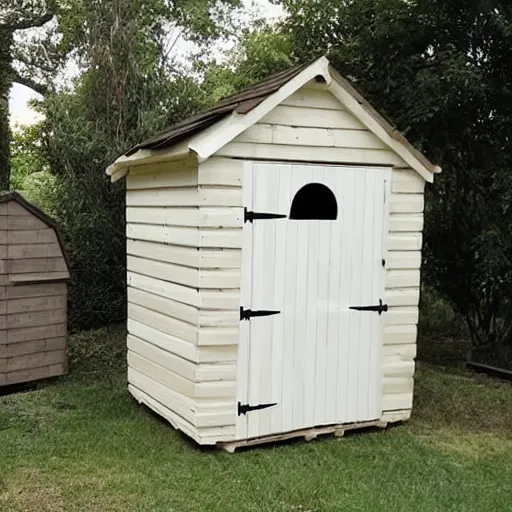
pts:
[441, 71]
[260, 52]
[130, 87]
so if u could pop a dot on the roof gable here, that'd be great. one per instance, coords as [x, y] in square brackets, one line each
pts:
[207, 132]
[39, 214]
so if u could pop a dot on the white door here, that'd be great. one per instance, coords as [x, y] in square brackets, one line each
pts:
[305, 357]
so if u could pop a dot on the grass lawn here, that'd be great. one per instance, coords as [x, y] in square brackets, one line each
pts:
[80, 443]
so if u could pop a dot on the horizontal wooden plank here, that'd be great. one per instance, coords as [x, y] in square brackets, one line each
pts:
[403, 260]
[398, 368]
[396, 416]
[175, 309]
[203, 435]
[184, 349]
[198, 196]
[400, 334]
[402, 297]
[311, 117]
[203, 299]
[23, 222]
[402, 279]
[186, 256]
[397, 401]
[166, 165]
[180, 293]
[406, 315]
[184, 312]
[178, 383]
[162, 177]
[181, 405]
[40, 236]
[163, 323]
[26, 251]
[188, 217]
[394, 385]
[15, 208]
[407, 181]
[32, 319]
[313, 98]
[32, 374]
[32, 347]
[406, 203]
[36, 360]
[173, 362]
[221, 171]
[408, 222]
[29, 304]
[35, 290]
[404, 242]
[35, 277]
[186, 236]
[187, 276]
[396, 353]
[36, 265]
[183, 330]
[36, 333]
[312, 137]
[310, 154]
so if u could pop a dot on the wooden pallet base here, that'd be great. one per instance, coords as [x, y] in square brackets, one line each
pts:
[308, 434]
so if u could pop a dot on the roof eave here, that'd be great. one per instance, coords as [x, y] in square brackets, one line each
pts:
[121, 166]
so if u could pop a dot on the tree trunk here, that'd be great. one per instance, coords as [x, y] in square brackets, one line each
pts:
[6, 40]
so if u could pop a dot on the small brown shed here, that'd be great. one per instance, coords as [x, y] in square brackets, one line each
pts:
[33, 293]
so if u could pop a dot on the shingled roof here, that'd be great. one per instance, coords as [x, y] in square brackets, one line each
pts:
[241, 103]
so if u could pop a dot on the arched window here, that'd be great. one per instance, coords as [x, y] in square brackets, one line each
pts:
[314, 202]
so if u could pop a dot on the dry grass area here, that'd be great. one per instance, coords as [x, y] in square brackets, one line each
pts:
[80, 443]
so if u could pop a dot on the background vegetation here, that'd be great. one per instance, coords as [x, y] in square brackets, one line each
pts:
[115, 71]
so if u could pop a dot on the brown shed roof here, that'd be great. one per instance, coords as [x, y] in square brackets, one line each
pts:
[241, 102]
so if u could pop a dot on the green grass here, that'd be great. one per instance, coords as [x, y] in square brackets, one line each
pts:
[80, 443]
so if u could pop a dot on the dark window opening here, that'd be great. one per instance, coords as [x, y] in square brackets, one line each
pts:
[314, 202]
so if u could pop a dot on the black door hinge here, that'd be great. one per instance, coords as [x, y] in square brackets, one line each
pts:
[250, 216]
[247, 314]
[380, 308]
[245, 408]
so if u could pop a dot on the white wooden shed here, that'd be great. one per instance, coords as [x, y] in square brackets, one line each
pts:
[274, 252]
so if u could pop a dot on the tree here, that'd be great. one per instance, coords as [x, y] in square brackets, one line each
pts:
[441, 71]
[130, 86]
[18, 63]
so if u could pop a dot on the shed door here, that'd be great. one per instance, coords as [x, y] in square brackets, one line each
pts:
[316, 252]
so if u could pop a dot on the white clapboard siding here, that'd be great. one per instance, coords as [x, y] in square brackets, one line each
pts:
[186, 196]
[182, 311]
[214, 172]
[313, 154]
[186, 256]
[406, 203]
[400, 334]
[179, 347]
[311, 117]
[407, 181]
[187, 236]
[408, 222]
[300, 136]
[403, 263]
[313, 98]
[203, 299]
[187, 276]
[188, 217]
[178, 383]
[194, 372]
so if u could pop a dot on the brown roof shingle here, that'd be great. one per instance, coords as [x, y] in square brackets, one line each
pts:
[241, 102]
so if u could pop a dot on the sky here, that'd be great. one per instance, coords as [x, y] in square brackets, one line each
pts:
[20, 95]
